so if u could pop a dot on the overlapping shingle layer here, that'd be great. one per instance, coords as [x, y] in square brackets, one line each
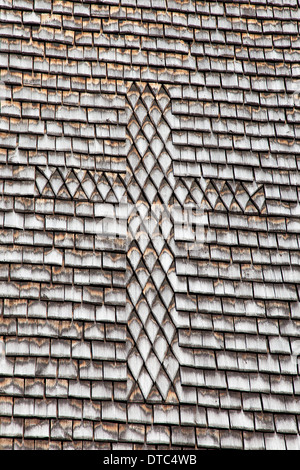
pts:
[180, 328]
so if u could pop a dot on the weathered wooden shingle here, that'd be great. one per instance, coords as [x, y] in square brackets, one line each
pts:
[149, 219]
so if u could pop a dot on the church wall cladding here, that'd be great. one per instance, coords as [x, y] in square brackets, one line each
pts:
[149, 224]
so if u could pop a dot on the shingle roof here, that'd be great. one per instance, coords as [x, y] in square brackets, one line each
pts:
[149, 224]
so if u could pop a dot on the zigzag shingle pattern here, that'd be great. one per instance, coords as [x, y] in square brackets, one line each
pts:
[111, 338]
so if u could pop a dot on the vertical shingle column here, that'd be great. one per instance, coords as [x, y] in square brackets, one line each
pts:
[166, 234]
[150, 258]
